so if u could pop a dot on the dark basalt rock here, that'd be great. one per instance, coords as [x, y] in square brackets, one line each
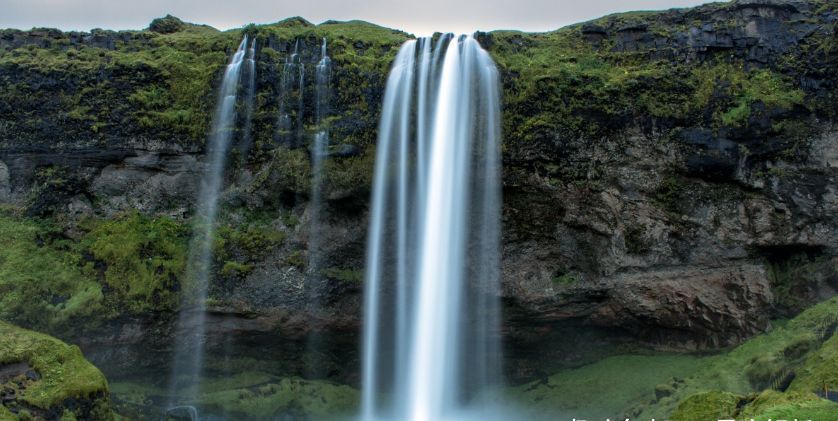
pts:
[712, 158]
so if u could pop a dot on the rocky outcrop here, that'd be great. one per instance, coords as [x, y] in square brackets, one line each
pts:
[44, 378]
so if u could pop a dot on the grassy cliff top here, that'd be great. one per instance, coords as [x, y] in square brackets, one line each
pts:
[729, 65]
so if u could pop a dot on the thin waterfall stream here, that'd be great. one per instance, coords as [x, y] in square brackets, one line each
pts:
[293, 71]
[317, 225]
[187, 365]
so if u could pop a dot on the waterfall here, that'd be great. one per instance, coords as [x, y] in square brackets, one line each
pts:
[430, 347]
[250, 92]
[292, 71]
[319, 152]
[189, 343]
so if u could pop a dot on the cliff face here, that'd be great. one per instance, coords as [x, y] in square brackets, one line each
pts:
[669, 177]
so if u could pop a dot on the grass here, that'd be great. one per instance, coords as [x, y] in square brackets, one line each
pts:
[64, 371]
[597, 391]
[657, 386]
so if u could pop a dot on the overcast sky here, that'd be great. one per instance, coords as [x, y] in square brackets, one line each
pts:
[419, 17]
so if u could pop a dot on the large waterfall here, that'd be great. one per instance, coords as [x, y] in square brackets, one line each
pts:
[430, 347]
[189, 347]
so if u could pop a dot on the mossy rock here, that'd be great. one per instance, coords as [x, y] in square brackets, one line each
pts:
[130, 263]
[656, 385]
[49, 378]
[820, 371]
[705, 406]
[794, 405]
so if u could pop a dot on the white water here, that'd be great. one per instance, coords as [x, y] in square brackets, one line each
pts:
[250, 91]
[317, 226]
[319, 151]
[430, 344]
[292, 71]
[189, 346]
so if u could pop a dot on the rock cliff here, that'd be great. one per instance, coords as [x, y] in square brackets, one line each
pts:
[669, 177]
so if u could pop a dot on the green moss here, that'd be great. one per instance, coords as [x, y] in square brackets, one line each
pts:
[40, 281]
[653, 386]
[235, 269]
[594, 392]
[314, 399]
[351, 176]
[790, 275]
[143, 259]
[252, 395]
[129, 264]
[820, 370]
[255, 238]
[345, 275]
[64, 373]
[707, 406]
[565, 279]
[296, 259]
[729, 92]
[559, 87]
[670, 194]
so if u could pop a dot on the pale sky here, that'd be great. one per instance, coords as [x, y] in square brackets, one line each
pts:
[420, 17]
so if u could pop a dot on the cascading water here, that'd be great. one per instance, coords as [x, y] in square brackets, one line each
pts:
[189, 346]
[292, 71]
[430, 348]
[250, 92]
[319, 151]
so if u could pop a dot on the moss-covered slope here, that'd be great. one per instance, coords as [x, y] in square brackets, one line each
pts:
[43, 377]
[784, 372]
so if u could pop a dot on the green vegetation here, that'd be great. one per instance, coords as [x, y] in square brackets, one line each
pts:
[565, 279]
[354, 276]
[62, 373]
[41, 283]
[315, 399]
[793, 274]
[167, 79]
[351, 176]
[706, 406]
[243, 242]
[561, 86]
[729, 92]
[130, 264]
[604, 389]
[143, 258]
[657, 386]
[250, 395]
